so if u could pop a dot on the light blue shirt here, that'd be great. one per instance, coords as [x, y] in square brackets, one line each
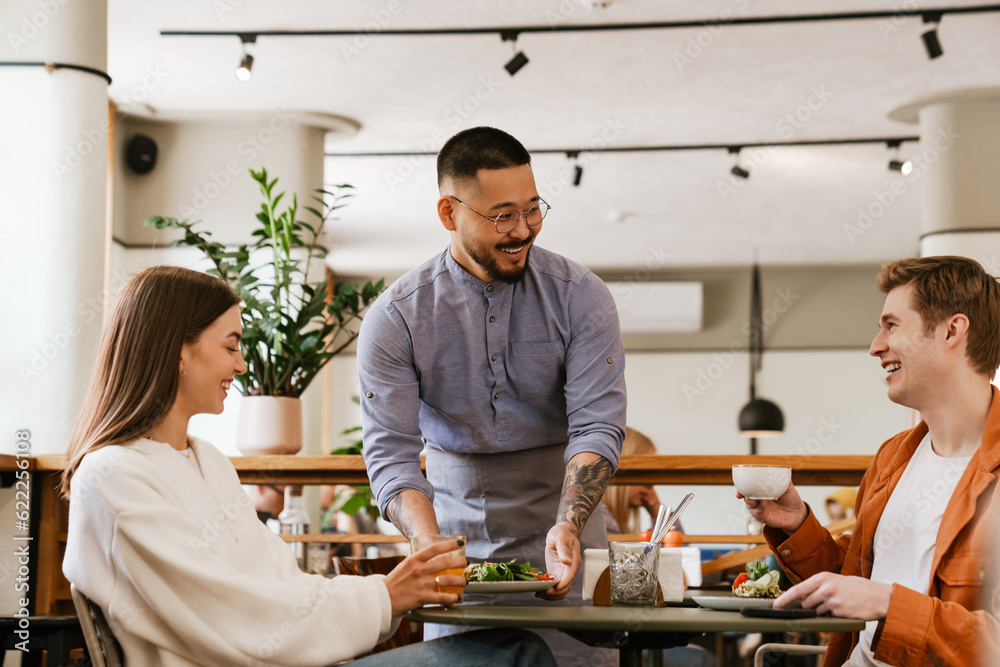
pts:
[476, 367]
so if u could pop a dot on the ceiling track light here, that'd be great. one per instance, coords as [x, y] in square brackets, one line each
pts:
[737, 170]
[577, 168]
[931, 42]
[244, 71]
[896, 164]
[519, 60]
[666, 148]
[720, 22]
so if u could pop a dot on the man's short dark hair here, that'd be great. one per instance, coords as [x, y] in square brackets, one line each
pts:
[477, 148]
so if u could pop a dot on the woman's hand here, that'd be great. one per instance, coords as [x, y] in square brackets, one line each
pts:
[414, 582]
[787, 512]
[650, 500]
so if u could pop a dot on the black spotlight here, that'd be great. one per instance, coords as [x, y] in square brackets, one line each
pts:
[932, 44]
[577, 175]
[516, 63]
[902, 166]
[737, 170]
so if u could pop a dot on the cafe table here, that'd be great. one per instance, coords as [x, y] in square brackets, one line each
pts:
[629, 629]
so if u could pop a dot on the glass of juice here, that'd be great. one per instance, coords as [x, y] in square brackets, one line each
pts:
[419, 542]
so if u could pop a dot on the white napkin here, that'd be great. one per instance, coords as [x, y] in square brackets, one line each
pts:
[673, 561]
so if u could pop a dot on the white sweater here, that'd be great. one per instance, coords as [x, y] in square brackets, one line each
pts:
[186, 574]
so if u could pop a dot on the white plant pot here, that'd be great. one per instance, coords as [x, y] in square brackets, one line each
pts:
[269, 425]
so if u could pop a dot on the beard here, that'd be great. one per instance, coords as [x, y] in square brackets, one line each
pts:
[482, 255]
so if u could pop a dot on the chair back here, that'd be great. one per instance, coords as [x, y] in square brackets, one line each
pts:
[102, 646]
[409, 632]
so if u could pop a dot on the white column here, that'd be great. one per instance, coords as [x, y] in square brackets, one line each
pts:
[956, 162]
[53, 175]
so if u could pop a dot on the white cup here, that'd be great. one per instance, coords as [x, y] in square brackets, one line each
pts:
[762, 482]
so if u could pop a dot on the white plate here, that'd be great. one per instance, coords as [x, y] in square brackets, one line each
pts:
[474, 587]
[731, 602]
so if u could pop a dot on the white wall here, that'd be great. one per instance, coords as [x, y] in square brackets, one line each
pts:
[834, 402]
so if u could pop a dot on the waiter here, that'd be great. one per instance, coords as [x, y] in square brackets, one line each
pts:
[507, 361]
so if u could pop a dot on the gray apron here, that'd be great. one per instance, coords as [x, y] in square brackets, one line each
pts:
[505, 503]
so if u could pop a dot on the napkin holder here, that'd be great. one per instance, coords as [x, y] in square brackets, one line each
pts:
[602, 591]
[670, 576]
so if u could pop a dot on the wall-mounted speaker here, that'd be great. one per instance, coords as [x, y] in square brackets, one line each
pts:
[140, 154]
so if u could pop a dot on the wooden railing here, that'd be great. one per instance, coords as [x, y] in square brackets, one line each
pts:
[807, 470]
[52, 593]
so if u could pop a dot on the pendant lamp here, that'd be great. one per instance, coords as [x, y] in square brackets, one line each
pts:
[760, 417]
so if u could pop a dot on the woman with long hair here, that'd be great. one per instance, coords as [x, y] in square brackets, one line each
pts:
[622, 502]
[165, 540]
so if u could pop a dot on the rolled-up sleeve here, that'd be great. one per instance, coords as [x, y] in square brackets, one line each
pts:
[390, 405]
[595, 373]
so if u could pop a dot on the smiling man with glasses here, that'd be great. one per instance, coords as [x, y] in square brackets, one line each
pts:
[506, 360]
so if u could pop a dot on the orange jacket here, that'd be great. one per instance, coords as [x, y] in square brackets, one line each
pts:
[952, 624]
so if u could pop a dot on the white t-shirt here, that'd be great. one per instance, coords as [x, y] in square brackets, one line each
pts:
[907, 531]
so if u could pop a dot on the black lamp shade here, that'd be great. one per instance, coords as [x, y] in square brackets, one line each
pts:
[761, 418]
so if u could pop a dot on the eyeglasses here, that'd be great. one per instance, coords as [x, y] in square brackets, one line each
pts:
[507, 220]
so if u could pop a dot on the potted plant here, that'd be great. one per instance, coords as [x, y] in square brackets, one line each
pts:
[292, 324]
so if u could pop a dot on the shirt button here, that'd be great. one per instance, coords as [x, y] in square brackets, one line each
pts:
[494, 357]
[493, 319]
[497, 395]
[786, 553]
[489, 288]
[609, 360]
[369, 394]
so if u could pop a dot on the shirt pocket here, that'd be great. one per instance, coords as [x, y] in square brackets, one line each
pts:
[963, 572]
[539, 368]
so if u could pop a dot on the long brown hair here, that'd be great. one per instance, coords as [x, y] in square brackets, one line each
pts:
[135, 379]
[616, 497]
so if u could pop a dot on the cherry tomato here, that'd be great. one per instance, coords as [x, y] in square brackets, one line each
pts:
[673, 538]
[740, 579]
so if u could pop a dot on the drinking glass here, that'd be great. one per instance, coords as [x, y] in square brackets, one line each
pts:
[419, 542]
[634, 573]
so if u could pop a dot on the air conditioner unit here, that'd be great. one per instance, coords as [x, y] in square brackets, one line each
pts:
[658, 307]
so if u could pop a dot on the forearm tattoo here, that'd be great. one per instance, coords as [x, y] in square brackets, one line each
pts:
[583, 487]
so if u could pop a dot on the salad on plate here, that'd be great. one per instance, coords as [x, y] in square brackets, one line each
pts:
[759, 581]
[509, 571]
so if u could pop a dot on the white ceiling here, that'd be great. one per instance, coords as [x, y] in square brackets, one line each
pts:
[661, 210]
